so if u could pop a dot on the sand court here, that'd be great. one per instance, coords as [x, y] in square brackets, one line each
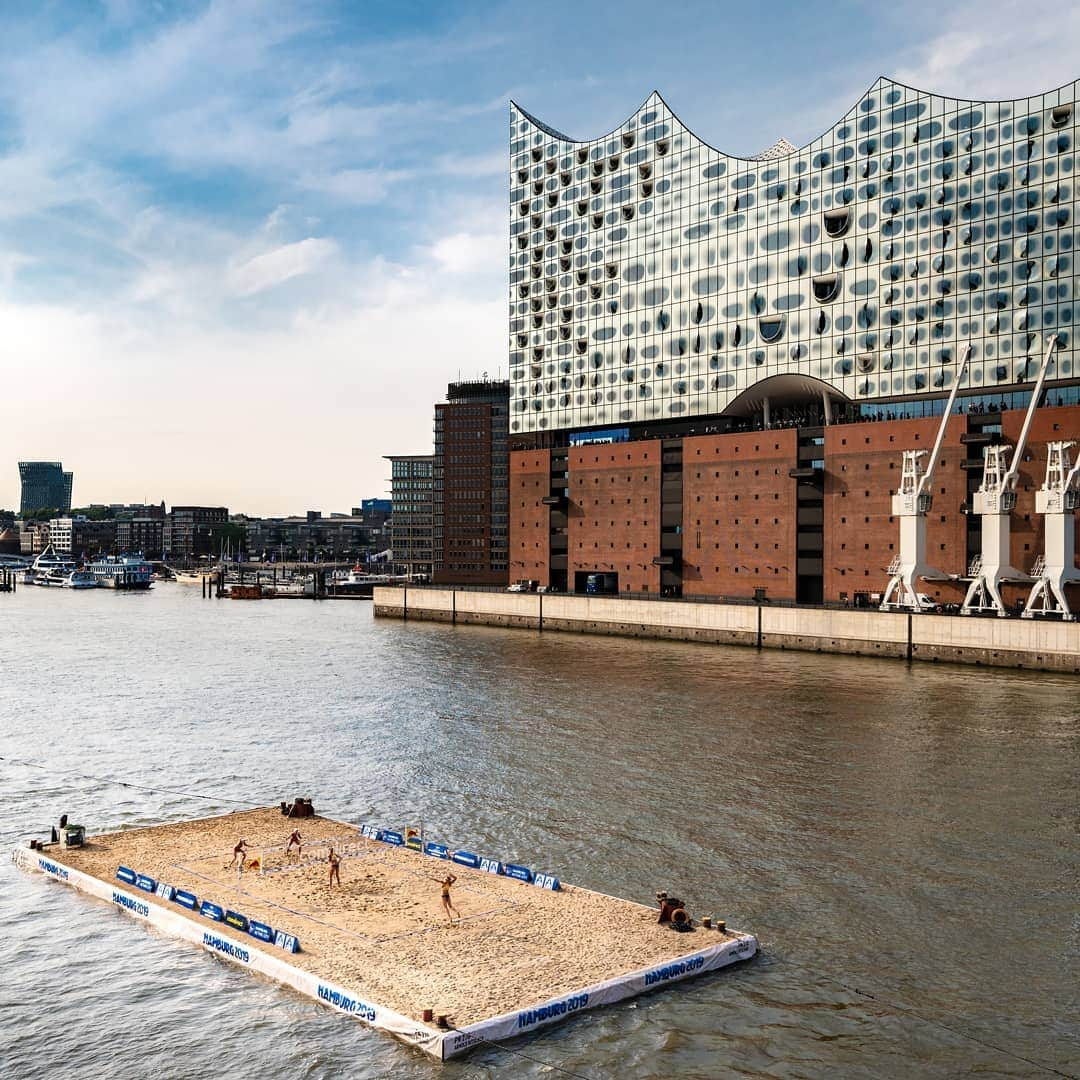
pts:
[381, 940]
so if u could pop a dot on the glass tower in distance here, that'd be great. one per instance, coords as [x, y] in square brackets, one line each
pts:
[45, 486]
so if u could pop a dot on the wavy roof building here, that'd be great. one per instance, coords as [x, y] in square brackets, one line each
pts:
[656, 278]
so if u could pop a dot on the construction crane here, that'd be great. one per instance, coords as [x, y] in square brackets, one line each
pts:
[911, 504]
[1057, 500]
[994, 502]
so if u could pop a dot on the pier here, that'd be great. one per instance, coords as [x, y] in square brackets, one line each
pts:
[1012, 643]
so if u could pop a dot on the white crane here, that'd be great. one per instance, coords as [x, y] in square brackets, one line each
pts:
[1058, 499]
[911, 504]
[994, 502]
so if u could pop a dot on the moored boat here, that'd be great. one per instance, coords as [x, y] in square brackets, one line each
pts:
[121, 572]
[80, 579]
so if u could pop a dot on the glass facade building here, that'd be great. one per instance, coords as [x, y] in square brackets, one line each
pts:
[654, 279]
[44, 486]
[412, 520]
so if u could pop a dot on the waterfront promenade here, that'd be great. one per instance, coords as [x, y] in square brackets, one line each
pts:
[992, 642]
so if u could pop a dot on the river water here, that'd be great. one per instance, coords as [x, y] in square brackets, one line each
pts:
[906, 833]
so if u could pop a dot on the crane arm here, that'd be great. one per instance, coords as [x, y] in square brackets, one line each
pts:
[1009, 479]
[932, 463]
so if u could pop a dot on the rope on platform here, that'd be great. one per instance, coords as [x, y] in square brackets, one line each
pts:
[131, 784]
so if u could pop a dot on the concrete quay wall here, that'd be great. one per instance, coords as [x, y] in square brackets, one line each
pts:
[992, 642]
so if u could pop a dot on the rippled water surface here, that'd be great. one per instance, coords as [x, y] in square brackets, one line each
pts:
[907, 833]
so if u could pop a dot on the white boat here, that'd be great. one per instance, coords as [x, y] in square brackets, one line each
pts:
[80, 579]
[50, 567]
[121, 572]
[191, 577]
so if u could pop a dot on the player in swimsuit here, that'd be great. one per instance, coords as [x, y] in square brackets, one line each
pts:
[451, 911]
[335, 866]
[239, 853]
[298, 840]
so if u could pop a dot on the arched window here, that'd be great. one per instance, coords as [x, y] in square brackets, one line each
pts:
[837, 222]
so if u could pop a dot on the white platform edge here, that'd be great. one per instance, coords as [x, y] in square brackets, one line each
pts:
[439, 1044]
[241, 949]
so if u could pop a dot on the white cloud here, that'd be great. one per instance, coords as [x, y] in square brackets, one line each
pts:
[274, 267]
[995, 50]
[466, 252]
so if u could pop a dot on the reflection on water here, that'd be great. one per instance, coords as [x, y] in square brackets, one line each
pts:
[906, 832]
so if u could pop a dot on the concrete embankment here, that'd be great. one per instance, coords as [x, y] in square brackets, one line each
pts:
[1012, 643]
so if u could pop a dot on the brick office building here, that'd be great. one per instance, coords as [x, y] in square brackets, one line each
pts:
[470, 480]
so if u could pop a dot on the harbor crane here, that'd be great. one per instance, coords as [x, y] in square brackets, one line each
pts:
[911, 504]
[1057, 500]
[994, 502]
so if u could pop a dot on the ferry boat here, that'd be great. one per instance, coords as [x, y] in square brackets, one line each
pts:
[80, 579]
[121, 572]
[50, 568]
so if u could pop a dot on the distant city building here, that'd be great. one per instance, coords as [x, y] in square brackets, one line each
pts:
[81, 536]
[374, 506]
[413, 519]
[337, 538]
[61, 531]
[470, 481]
[192, 532]
[45, 486]
[141, 529]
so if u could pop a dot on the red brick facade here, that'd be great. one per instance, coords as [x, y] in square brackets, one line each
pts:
[614, 513]
[746, 520]
[529, 536]
[739, 514]
[863, 464]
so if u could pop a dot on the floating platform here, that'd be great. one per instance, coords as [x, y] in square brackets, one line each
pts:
[379, 947]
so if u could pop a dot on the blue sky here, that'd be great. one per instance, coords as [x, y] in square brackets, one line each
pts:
[244, 246]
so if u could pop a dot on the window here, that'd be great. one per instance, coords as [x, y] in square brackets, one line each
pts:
[837, 222]
[826, 288]
[1060, 115]
[771, 328]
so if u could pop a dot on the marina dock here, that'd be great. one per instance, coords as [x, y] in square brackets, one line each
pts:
[528, 950]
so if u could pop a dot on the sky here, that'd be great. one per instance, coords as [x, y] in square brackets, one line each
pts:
[245, 246]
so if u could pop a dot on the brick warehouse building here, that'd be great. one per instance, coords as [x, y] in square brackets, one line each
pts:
[736, 518]
[716, 362]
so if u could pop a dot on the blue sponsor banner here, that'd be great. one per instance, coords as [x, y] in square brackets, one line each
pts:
[186, 899]
[546, 881]
[371, 832]
[146, 883]
[211, 911]
[261, 931]
[491, 866]
[466, 858]
[436, 851]
[124, 874]
[389, 837]
[166, 892]
[518, 873]
[288, 942]
[236, 920]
